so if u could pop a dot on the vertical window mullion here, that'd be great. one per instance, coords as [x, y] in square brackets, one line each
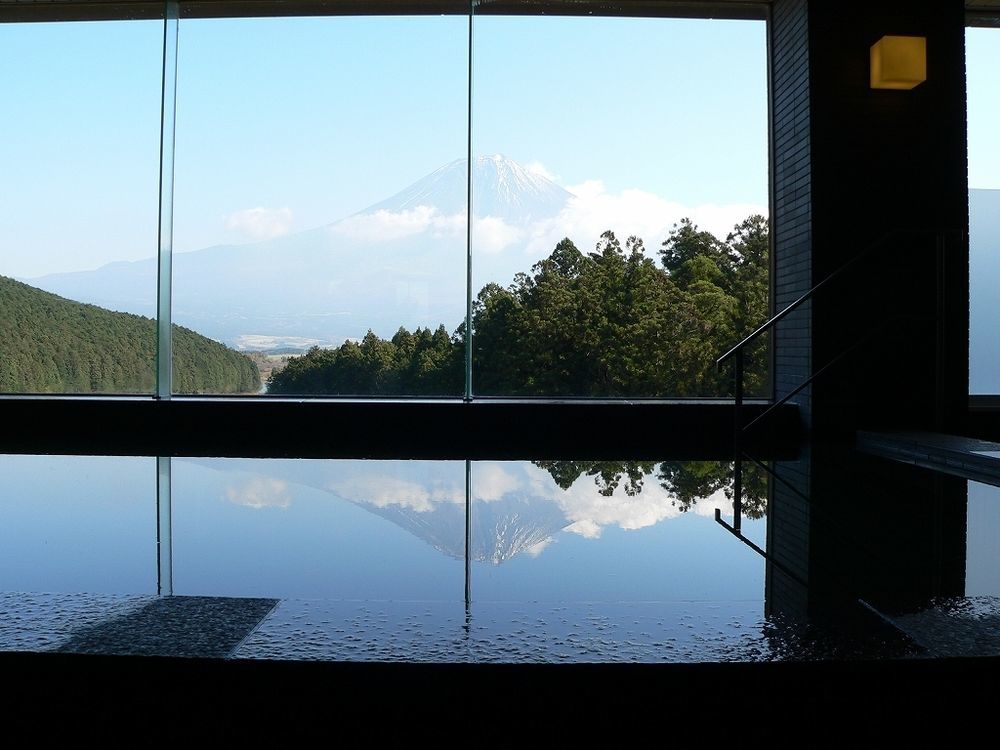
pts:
[164, 349]
[468, 223]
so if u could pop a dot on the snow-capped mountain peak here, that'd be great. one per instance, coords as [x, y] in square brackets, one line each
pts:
[501, 188]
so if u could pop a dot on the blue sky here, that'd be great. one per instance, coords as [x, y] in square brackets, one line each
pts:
[288, 124]
[983, 66]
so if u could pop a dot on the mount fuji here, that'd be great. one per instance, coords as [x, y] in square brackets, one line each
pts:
[501, 188]
[401, 261]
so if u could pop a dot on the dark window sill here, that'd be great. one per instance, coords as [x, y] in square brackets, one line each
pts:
[428, 429]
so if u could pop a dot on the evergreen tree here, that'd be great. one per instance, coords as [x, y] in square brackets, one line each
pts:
[609, 323]
[53, 345]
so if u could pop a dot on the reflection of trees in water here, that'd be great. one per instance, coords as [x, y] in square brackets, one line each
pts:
[607, 474]
[686, 481]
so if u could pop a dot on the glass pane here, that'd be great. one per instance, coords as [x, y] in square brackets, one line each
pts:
[360, 530]
[73, 524]
[79, 168]
[983, 71]
[982, 574]
[615, 157]
[320, 202]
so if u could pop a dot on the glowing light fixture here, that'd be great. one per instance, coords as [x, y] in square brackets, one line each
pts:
[899, 62]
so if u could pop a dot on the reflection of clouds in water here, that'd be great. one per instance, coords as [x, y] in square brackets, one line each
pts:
[587, 511]
[706, 506]
[536, 549]
[492, 481]
[260, 492]
[384, 491]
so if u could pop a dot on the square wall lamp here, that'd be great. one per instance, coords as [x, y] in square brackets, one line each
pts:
[899, 62]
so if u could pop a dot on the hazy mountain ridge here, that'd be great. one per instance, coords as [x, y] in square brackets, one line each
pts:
[398, 262]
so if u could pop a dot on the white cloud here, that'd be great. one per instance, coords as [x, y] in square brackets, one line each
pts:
[492, 481]
[586, 527]
[491, 234]
[593, 210]
[384, 491]
[536, 167]
[261, 492]
[382, 225]
[586, 510]
[705, 506]
[590, 512]
[260, 223]
[536, 549]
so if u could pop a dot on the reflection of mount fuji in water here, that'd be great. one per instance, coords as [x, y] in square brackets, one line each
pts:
[501, 528]
[426, 499]
[398, 262]
[517, 506]
[429, 502]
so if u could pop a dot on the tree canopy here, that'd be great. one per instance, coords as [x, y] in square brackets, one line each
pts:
[608, 323]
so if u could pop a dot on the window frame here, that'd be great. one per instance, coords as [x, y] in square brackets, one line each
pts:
[984, 408]
[166, 423]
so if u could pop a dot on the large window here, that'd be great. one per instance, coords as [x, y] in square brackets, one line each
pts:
[625, 151]
[384, 205]
[79, 164]
[983, 71]
[295, 137]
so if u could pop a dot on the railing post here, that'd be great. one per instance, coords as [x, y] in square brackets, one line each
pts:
[941, 421]
[738, 440]
[738, 396]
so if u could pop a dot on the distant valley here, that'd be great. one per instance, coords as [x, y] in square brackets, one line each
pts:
[401, 262]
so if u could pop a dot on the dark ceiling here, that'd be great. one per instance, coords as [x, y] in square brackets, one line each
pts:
[981, 12]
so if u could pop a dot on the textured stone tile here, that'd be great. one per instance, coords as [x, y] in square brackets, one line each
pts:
[44, 621]
[191, 626]
[955, 627]
[578, 632]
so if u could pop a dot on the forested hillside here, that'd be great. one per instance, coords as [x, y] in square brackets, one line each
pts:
[607, 323]
[53, 345]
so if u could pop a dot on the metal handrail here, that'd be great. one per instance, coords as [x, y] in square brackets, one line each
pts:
[736, 532]
[834, 274]
[849, 350]
[737, 351]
